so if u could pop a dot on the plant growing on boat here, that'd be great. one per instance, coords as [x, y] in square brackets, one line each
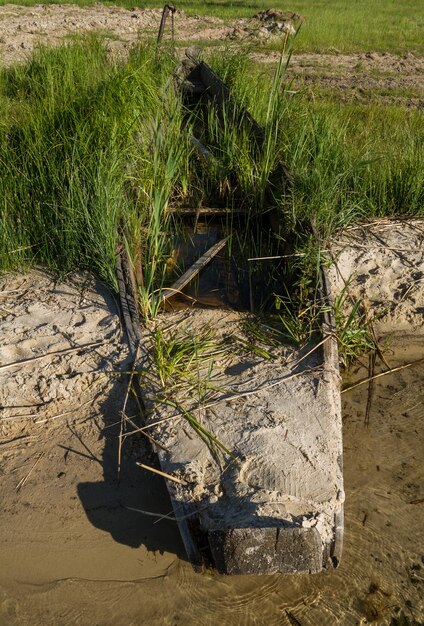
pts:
[251, 347]
[296, 324]
[213, 443]
[184, 356]
[259, 337]
[353, 332]
[184, 363]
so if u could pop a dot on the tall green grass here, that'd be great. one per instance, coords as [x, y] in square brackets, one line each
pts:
[348, 161]
[356, 162]
[92, 150]
[77, 132]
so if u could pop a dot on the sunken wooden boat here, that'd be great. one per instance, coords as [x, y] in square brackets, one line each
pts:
[248, 432]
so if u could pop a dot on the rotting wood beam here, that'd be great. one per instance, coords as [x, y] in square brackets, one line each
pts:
[194, 270]
[128, 303]
[204, 210]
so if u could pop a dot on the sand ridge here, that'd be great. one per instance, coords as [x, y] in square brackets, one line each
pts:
[382, 264]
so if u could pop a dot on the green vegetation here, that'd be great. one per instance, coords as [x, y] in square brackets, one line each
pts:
[336, 26]
[75, 131]
[183, 361]
[179, 356]
[93, 151]
[354, 334]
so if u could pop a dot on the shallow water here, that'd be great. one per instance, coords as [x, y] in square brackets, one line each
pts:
[96, 579]
[229, 280]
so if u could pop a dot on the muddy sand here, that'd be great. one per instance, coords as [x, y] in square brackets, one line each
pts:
[64, 516]
[75, 546]
[382, 265]
[389, 78]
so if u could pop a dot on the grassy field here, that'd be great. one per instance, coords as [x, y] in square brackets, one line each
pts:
[330, 26]
[92, 150]
[338, 26]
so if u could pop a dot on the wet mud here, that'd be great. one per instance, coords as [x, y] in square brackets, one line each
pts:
[79, 546]
[59, 565]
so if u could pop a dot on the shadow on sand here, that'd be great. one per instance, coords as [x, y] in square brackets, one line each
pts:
[107, 504]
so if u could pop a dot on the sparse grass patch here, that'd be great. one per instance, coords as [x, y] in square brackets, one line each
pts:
[179, 356]
[353, 333]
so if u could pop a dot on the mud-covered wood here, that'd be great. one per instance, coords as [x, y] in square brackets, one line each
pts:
[331, 362]
[276, 503]
[138, 345]
[194, 270]
[126, 306]
[206, 211]
[266, 550]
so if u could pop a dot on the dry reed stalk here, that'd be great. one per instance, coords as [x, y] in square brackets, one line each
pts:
[163, 474]
[150, 514]
[22, 482]
[20, 416]
[408, 291]
[270, 258]
[138, 430]
[374, 336]
[55, 417]
[391, 371]
[167, 516]
[384, 247]
[164, 419]
[154, 441]
[236, 396]
[180, 518]
[398, 253]
[330, 336]
[18, 438]
[371, 370]
[252, 392]
[123, 415]
[56, 353]
[251, 303]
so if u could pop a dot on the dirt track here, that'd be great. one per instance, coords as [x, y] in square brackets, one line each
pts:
[360, 77]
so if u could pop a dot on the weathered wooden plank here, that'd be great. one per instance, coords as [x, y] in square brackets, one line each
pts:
[266, 550]
[194, 270]
[203, 152]
[219, 90]
[204, 210]
[125, 307]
